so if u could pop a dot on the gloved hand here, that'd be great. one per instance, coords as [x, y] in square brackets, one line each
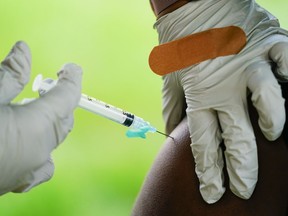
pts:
[214, 92]
[29, 132]
[210, 103]
[216, 110]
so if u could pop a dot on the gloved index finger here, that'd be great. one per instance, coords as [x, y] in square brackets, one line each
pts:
[14, 72]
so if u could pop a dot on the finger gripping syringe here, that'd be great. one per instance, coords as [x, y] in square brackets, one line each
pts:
[138, 126]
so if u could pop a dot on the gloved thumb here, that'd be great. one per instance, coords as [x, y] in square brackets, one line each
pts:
[14, 72]
[279, 55]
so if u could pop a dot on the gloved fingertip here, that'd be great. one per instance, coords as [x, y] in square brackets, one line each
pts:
[70, 68]
[22, 47]
[72, 72]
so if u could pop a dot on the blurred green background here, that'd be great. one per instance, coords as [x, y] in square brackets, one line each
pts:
[98, 170]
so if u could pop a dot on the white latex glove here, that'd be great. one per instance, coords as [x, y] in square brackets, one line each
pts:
[215, 91]
[214, 113]
[29, 132]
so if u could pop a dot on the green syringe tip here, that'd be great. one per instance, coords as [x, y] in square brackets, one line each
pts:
[141, 132]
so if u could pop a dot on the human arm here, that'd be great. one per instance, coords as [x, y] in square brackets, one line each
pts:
[215, 90]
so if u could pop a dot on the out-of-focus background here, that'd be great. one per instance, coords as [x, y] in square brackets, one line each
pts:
[99, 171]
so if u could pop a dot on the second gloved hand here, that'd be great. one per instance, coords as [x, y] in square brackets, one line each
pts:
[31, 131]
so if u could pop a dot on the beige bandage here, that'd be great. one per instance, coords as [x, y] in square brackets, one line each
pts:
[195, 48]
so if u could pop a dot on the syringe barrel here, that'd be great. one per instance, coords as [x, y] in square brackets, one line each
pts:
[113, 113]
[106, 110]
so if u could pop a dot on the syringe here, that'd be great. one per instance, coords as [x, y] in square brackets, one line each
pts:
[138, 126]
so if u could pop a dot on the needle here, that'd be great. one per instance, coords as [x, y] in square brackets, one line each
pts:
[165, 134]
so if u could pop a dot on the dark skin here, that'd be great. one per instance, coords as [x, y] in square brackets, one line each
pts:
[171, 8]
[171, 187]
